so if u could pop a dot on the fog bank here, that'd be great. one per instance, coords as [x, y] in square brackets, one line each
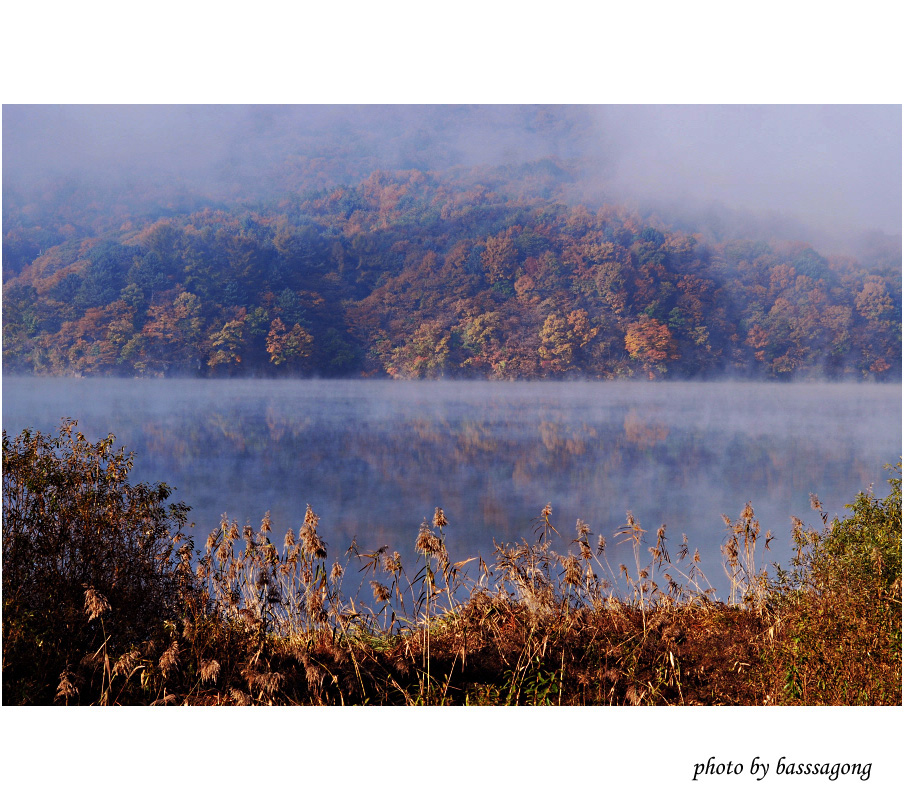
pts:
[814, 172]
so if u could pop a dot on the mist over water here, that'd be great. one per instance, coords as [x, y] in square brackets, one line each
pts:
[374, 458]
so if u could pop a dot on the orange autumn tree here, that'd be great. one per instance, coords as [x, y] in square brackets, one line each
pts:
[289, 346]
[651, 344]
[498, 258]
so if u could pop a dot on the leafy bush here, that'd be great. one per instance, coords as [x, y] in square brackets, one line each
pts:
[843, 613]
[90, 563]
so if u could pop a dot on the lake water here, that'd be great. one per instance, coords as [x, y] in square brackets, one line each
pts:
[374, 458]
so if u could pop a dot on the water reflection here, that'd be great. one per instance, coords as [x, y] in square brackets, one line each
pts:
[375, 458]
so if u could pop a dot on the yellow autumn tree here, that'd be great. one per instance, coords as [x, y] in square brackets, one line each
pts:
[556, 344]
[425, 354]
[226, 344]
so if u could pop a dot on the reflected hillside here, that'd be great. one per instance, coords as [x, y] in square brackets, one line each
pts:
[376, 458]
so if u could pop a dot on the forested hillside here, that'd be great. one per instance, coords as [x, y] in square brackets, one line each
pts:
[410, 273]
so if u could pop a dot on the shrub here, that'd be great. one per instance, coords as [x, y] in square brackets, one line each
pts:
[842, 633]
[90, 563]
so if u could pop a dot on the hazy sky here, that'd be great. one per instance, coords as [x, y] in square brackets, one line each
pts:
[829, 167]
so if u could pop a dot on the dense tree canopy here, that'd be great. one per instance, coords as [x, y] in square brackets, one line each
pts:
[422, 274]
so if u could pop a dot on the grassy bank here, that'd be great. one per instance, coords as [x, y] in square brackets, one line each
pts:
[107, 601]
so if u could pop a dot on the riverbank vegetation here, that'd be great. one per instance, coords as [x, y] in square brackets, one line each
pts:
[107, 600]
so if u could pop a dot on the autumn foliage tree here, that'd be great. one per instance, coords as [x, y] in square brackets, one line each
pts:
[420, 274]
[650, 344]
[290, 347]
